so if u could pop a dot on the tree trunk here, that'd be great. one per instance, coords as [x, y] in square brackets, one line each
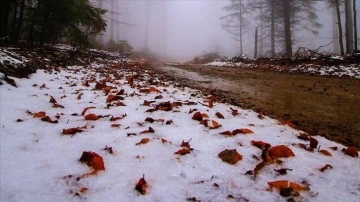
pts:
[339, 27]
[19, 22]
[349, 33]
[240, 25]
[256, 42]
[287, 30]
[355, 25]
[335, 34]
[272, 37]
[4, 17]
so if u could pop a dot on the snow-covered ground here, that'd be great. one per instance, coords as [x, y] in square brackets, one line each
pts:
[40, 163]
[341, 70]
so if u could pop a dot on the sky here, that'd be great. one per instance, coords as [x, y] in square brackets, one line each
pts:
[179, 30]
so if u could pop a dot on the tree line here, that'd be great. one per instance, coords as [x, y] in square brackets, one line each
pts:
[280, 21]
[37, 22]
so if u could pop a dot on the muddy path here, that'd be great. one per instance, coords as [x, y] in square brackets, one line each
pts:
[319, 105]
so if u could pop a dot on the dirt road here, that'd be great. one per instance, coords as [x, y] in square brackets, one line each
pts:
[319, 105]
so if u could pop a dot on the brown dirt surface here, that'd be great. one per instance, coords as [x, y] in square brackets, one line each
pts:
[319, 105]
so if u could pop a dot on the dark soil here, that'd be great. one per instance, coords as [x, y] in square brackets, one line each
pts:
[318, 105]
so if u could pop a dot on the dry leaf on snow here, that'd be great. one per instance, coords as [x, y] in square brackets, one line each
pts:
[141, 186]
[143, 141]
[230, 156]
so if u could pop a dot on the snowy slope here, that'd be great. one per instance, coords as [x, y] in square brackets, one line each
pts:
[39, 163]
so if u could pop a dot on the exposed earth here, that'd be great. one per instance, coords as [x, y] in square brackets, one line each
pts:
[319, 105]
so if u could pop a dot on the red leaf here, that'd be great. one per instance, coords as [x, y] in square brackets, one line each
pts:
[230, 156]
[260, 144]
[151, 130]
[242, 130]
[197, 116]
[85, 109]
[304, 136]
[183, 151]
[313, 143]
[186, 144]
[280, 151]
[228, 133]
[115, 125]
[325, 167]
[48, 119]
[91, 117]
[93, 160]
[215, 125]
[39, 114]
[351, 151]
[143, 141]
[141, 186]
[71, 131]
[281, 184]
[325, 152]
[219, 115]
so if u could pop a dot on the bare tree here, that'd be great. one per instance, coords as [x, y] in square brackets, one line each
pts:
[349, 32]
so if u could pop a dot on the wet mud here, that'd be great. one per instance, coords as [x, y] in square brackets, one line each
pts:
[318, 105]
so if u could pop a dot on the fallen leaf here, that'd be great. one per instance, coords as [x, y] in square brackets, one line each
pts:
[280, 151]
[242, 131]
[228, 133]
[304, 136]
[52, 100]
[211, 105]
[150, 130]
[85, 110]
[327, 166]
[325, 152]
[283, 171]
[112, 97]
[183, 151]
[234, 112]
[143, 141]
[351, 151]
[215, 125]
[56, 105]
[258, 167]
[108, 149]
[141, 186]
[186, 144]
[93, 160]
[39, 114]
[219, 115]
[197, 116]
[71, 131]
[280, 184]
[260, 144]
[230, 156]
[91, 117]
[48, 119]
[115, 125]
[313, 143]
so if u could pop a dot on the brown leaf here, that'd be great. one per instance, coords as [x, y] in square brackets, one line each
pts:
[48, 119]
[56, 105]
[281, 184]
[280, 151]
[197, 116]
[85, 109]
[141, 186]
[143, 141]
[230, 156]
[219, 115]
[260, 144]
[215, 125]
[304, 136]
[150, 130]
[39, 114]
[112, 97]
[234, 112]
[313, 143]
[183, 151]
[93, 160]
[71, 131]
[325, 152]
[186, 144]
[211, 104]
[52, 100]
[115, 125]
[242, 130]
[228, 133]
[325, 167]
[91, 117]
[351, 151]
[258, 167]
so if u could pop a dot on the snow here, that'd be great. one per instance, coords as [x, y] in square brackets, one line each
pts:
[35, 157]
[351, 70]
[7, 57]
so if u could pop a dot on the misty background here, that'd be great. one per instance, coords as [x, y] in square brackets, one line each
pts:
[179, 30]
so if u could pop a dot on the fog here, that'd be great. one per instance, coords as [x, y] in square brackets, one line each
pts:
[179, 30]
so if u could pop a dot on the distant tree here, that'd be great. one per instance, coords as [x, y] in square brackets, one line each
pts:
[355, 26]
[235, 21]
[48, 21]
[349, 27]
